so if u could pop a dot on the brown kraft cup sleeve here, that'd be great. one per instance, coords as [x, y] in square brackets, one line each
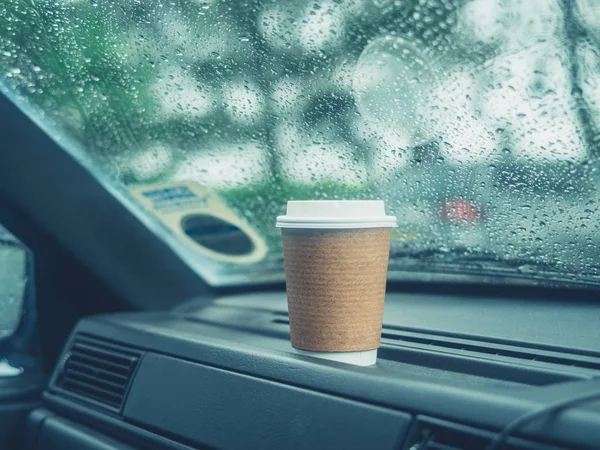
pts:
[335, 282]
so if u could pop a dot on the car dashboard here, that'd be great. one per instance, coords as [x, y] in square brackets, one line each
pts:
[451, 373]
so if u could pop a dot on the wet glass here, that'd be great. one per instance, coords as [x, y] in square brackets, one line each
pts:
[476, 121]
[13, 281]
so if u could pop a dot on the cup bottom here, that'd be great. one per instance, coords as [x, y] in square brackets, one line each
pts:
[362, 358]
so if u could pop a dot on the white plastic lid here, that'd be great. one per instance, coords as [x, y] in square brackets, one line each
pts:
[335, 214]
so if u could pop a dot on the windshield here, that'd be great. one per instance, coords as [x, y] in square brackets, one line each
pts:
[476, 121]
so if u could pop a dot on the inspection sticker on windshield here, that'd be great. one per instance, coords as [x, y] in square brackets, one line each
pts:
[202, 220]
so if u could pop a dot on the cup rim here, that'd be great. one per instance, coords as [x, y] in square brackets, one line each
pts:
[336, 214]
[333, 223]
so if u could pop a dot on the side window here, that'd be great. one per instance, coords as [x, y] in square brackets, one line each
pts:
[17, 307]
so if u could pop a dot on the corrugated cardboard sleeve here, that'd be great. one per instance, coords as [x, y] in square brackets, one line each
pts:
[336, 287]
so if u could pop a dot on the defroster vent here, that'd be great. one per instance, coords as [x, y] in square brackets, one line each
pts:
[97, 370]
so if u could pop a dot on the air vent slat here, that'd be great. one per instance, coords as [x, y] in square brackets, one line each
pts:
[96, 381]
[97, 370]
[92, 391]
[99, 362]
[109, 352]
[85, 368]
[107, 355]
[105, 345]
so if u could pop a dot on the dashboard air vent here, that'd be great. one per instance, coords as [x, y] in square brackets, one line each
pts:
[97, 371]
[433, 434]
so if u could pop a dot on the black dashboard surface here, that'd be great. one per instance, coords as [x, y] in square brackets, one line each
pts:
[562, 323]
[475, 362]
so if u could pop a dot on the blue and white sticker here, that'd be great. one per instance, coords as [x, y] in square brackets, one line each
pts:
[173, 203]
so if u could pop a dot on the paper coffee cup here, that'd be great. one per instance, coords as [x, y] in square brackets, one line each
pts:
[336, 256]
